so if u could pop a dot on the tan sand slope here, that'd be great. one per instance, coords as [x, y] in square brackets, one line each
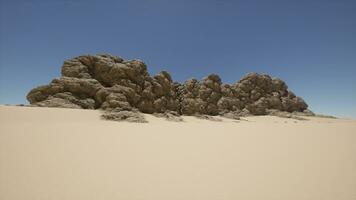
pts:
[60, 154]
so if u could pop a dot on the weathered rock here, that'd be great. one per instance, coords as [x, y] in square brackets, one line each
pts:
[56, 102]
[233, 115]
[170, 116]
[285, 114]
[258, 107]
[74, 90]
[124, 86]
[201, 97]
[306, 112]
[129, 116]
[293, 104]
[208, 117]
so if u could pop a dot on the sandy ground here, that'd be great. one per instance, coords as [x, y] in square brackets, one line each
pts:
[60, 154]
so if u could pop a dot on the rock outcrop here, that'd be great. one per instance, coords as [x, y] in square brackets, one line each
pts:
[113, 84]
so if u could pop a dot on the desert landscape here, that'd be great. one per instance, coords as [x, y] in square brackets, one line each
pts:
[57, 153]
[177, 100]
[106, 129]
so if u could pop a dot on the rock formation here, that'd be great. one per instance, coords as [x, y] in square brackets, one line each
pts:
[116, 85]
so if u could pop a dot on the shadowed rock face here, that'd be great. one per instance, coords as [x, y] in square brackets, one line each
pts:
[111, 83]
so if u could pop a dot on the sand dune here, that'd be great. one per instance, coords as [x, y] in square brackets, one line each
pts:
[52, 153]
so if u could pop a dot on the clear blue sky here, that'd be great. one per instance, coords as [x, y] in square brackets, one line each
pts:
[311, 44]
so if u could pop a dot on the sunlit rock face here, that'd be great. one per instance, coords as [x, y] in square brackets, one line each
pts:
[111, 83]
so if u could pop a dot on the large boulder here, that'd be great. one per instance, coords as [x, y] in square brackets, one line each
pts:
[78, 91]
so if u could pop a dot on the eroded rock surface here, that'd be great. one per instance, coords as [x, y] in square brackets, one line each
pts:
[129, 116]
[123, 86]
